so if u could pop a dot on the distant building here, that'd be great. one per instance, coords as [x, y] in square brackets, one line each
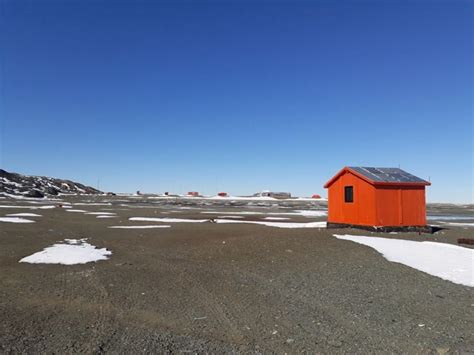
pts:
[193, 193]
[222, 194]
[376, 197]
[278, 195]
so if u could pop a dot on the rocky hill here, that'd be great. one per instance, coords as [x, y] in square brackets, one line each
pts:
[40, 186]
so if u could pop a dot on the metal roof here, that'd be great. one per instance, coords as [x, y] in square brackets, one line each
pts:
[390, 175]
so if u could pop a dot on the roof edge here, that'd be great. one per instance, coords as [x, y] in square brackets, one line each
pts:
[372, 182]
[335, 177]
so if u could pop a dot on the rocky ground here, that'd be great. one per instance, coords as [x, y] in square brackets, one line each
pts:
[213, 288]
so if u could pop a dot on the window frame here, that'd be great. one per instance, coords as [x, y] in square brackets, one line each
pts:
[351, 195]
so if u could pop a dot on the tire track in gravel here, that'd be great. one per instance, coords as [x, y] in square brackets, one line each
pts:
[100, 312]
[330, 315]
[215, 309]
[101, 335]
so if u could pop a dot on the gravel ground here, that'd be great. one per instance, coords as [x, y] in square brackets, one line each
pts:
[207, 288]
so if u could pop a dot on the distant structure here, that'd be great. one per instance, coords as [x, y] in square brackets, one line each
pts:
[222, 194]
[278, 195]
[316, 196]
[381, 198]
[193, 193]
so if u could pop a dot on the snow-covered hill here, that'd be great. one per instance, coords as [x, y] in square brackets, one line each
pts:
[40, 186]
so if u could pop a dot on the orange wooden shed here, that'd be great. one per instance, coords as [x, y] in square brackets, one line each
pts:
[376, 197]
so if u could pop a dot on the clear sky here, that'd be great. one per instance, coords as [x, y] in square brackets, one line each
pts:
[237, 96]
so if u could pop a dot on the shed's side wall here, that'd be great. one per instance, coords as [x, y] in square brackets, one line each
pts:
[359, 212]
[401, 206]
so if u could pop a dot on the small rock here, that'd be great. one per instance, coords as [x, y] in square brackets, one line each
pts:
[34, 193]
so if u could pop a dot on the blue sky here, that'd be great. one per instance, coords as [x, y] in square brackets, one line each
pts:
[237, 96]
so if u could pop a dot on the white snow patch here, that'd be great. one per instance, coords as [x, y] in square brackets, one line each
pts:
[73, 251]
[312, 213]
[47, 207]
[140, 227]
[279, 224]
[167, 220]
[235, 212]
[24, 215]
[79, 189]
[13, 206]
[15, 220]
[276, 218]
[449, 262]
[463, 224]
[249, 198]
[310, 199]
[448, 218]
[106, 216]
[305, 213]
[236, 217]
[92, 204]
[78, 211]
[102, 213]
[9, 182]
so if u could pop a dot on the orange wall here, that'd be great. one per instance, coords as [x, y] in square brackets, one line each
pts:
[361, 211]
[401, 206]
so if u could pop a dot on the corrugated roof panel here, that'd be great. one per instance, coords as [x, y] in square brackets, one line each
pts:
[393, 175]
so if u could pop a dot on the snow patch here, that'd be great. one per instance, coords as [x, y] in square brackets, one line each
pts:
[71, 252]
[140, 227]
[102, 213]
[15, 220]
[24, 215]
[235, 212]
[448, 218]
[464, 224]
[168, 220]
[16, 207]
[305, 213]
[279, 224]
[311, 213]
[92, 204]
[446, 261]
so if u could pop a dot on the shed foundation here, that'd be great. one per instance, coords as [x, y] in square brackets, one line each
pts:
[386, 229]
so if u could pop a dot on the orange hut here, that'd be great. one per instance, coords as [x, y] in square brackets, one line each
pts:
[376, 197]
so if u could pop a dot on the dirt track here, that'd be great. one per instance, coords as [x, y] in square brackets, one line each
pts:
[204, 287]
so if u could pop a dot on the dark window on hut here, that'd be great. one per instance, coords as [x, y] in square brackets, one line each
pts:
[348, 194]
